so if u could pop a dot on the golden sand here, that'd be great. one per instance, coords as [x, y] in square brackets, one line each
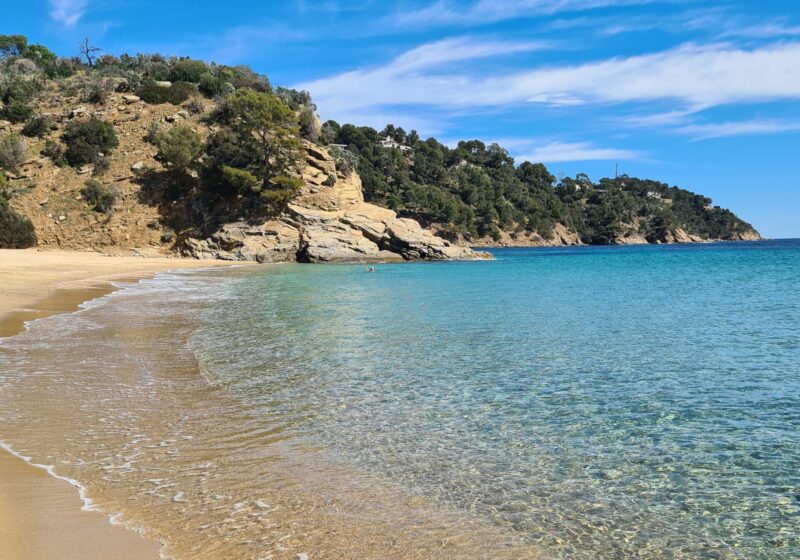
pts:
[41, 516]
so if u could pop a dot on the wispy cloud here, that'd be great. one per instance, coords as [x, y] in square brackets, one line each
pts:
[697, 77]
[445, 12]
[553, 152]
[459, 49]
[766, 30]
[738, 128]
[67, 12]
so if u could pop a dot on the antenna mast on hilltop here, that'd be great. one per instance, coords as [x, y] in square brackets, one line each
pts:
[616, 170]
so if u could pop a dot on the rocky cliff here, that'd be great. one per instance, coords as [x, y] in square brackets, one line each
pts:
[322, 224]
[328, 223]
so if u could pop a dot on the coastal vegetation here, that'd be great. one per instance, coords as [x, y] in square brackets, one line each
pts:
[227, 145]
[475, 191]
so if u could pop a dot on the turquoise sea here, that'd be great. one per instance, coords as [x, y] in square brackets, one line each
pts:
[596, 402]
[607, 402]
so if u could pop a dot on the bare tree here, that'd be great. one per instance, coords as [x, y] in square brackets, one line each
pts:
[88, 51]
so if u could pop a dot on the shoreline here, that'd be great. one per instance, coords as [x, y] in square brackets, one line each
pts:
[304, 505]
[44, 515]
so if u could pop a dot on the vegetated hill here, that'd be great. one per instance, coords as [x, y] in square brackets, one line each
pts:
[476, 193]
[158, 154]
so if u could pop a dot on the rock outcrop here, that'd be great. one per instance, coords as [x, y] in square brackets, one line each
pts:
[328, 222]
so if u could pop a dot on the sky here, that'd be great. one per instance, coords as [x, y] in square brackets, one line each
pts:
[700, 94]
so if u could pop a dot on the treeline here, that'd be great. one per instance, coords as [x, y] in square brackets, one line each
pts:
[248, 165]
[478, 191]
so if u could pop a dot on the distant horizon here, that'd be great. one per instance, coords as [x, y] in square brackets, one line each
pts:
[701, 96]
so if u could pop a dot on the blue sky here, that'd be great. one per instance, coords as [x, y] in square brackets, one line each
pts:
[700, 94]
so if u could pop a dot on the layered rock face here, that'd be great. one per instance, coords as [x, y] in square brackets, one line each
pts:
[328, 222]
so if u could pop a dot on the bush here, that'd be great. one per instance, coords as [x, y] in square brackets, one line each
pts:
[241, 180]
[12, 151]
[14, 88]
[188, 70]
[195, 106]
[99, 197]
[16, 231]
[179, 147]
[94, 92]
[153, 131]
[151, 92]
[281, 191]
[37, 127]
[16, 112]
[102, 165]
[346, 161]
[210, 85]
[55, 152]
[86, 140]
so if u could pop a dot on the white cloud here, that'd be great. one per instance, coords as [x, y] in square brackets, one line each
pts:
[763, 31]
[444, 12]
[697, 77]
[67, 12]
[575, 151]
[738, 128]
[459, 49]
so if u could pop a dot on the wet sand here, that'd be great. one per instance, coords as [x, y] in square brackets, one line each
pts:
[157, 446]
[40, 516]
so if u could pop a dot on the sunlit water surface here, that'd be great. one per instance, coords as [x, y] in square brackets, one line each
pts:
[636, 402]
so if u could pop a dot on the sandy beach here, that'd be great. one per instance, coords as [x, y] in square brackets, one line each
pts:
[40, 516]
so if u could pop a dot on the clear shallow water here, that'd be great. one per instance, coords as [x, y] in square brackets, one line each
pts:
[605, 402]
[635, 402]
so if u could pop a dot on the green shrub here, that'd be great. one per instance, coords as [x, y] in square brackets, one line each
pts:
[227, 89]
[188, 70]
[179, 147]
[151, 92]
[281, 190]
[13, 87]
[13, 45]
[37, 127]
[12, 151]
[99, 197]
[241, 180]
[345, 160]
[181, 91]
[16, 231]
[16, 112]
[86, 140]
[210, 84]
[55, 152]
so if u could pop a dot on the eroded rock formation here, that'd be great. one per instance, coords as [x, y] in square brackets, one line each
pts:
[328, 222]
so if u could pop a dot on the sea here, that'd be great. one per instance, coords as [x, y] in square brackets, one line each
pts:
[568, 403]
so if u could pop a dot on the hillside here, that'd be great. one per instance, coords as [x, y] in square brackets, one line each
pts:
[150, 154]
[478, 194]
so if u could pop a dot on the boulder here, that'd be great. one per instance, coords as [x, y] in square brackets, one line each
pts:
[130, 98]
